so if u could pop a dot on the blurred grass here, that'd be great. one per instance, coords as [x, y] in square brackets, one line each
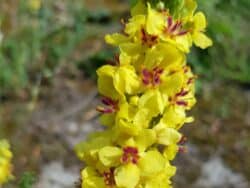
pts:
[228, 27]
[36, 39]
[39, 36]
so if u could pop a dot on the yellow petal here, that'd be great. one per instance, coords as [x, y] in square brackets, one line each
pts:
[201, 40]
[145, 139]
[151, 163]
[153, 101]
[107, 119]
[172, 84]
[163, 54]
[142, 117]
[131, 49]
[175, 117]
[135, 24]
[167, 136]
[91, 179]
[171, 151]
[126, 80]
[105, 81]
[88, 150]
[155, 21]
[110, 156]
[189, 9]
[125, 127]
[139, 8]
[116, 39]
[200, 21]
[127, 176]
[124, 59]
[183, 43]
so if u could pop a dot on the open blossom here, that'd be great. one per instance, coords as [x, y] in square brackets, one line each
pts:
[5, 161]
[146, 95]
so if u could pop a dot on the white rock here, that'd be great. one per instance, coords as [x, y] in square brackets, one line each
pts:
[215, 174]
[54, 175]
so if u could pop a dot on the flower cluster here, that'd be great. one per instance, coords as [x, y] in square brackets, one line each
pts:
[5, 164]
[146, 93]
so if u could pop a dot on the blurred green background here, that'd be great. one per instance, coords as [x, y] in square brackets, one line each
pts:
[49, 52]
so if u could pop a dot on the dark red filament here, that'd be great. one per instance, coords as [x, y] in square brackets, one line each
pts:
[109, 177]
[152, 77]
[148, 39]
[110, 106]
[178, 98]
[183, 140]
[174, 28]
[183, 149]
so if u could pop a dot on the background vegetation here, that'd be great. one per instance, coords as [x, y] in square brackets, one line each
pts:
[49, 51]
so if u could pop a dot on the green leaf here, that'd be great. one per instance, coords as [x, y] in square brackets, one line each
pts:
[27, 180]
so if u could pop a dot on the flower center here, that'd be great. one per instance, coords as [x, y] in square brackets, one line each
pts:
[130, 154]
[147, 39]
[109, 177]
[110, 106]
[152, 77]
[174, 28]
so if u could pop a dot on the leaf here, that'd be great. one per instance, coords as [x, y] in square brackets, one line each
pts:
[27, 180]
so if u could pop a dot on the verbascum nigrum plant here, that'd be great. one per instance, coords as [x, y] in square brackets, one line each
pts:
[5, 162]
[146, 91]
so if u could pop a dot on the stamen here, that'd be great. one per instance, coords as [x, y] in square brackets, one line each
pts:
[130, 154]
[182, 93]
[109, 178]
[183, 140]
[170, 21]
[181, 103]
[148, 39]
[152, 77]
[174, 29]
[111, 106]
[183, 149]
[182, 33]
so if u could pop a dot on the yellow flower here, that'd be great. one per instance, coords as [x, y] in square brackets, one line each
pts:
[5, 162]
[199, 38]
[145, 99]
[116, 82]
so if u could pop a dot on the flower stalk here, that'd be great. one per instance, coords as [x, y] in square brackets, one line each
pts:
[145, 98]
